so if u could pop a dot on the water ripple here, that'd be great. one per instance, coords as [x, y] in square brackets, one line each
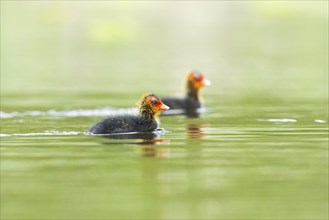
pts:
[46, 133]
[280, 120]
[69, 113]
[157, 132]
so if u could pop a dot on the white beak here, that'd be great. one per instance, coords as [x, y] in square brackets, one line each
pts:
[206, 82]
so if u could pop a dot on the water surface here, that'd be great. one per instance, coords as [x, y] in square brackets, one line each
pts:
[234, 161]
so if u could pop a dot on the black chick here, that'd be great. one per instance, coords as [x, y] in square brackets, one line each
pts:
[144, 120]
[191, 102]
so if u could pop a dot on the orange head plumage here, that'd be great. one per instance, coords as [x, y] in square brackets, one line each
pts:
[195, 81]
[151, 106]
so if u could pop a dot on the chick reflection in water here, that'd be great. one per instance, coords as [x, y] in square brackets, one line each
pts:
[195, 131]
[136, 137]
[149, 142]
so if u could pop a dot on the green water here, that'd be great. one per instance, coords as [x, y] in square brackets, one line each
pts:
[226, 164]
[260, 151]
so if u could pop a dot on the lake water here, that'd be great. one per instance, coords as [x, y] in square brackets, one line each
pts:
[259, 151]
[237, 160]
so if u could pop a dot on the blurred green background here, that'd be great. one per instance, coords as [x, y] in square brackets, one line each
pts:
[266, 60]
[278, 48]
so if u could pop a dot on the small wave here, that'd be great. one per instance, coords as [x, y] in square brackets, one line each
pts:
[173, 112]
[101, 112]
[281, 120]
[135, 135]
[47, 133]
[183, 111]
[69, 113]
[159, 131]
[319, 121]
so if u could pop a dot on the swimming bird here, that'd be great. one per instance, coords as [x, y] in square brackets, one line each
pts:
[146, 119]
[191, 101]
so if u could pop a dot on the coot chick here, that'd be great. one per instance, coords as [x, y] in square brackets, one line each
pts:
[191, 102]
[144, 120]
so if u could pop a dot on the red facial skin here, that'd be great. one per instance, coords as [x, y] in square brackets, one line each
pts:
[155, 104]
[198, 80]
[160, 106]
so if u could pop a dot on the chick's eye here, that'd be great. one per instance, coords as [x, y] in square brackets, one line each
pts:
[154, 101]
[197, 78]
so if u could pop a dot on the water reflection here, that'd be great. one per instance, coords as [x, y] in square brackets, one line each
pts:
[148, 140]
[195, 131]
[191, 113]
[144, 138]
[147, 136]
[154, 151]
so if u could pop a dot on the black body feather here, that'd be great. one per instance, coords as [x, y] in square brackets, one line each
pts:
[191, 101]
[123, 124]
[182, 103]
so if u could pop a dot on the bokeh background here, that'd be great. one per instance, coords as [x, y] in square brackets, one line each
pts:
[259, 152]
[277, 48]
